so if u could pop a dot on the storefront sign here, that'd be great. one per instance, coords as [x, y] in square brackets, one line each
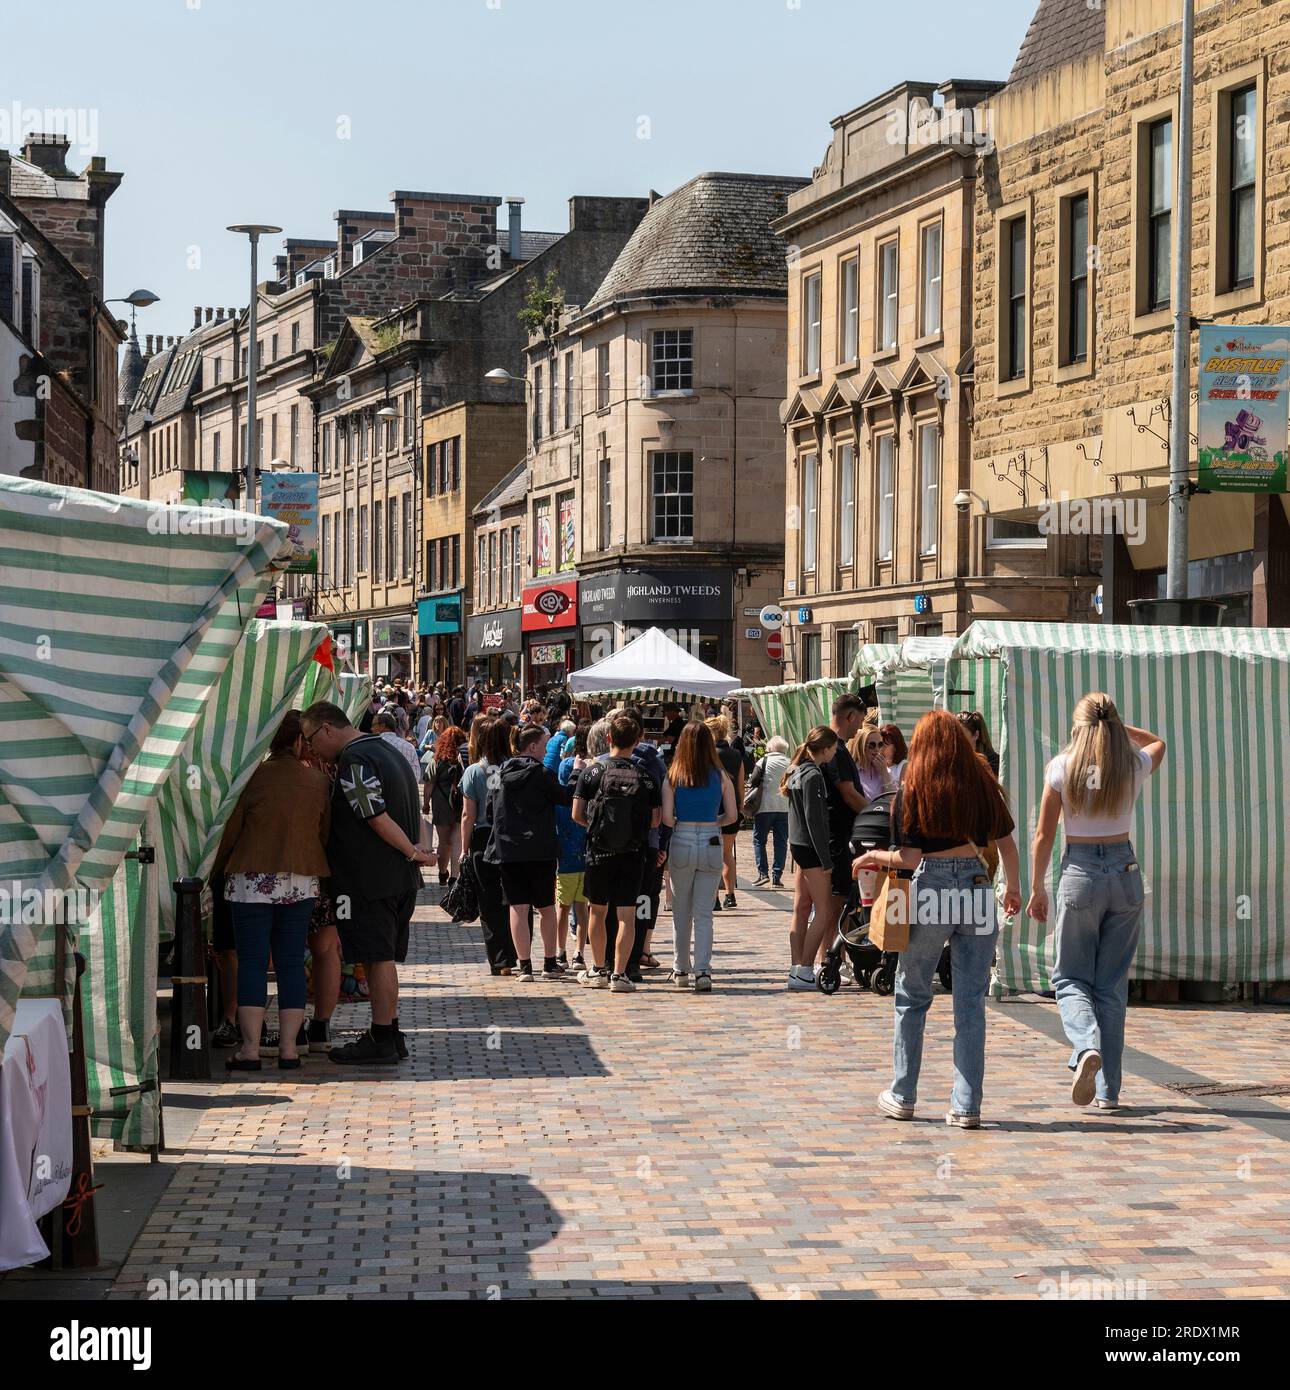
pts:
[438, 615]
[491, 634]
[922, 603]
[548, 654]
[772, 616]
[292, 498]
[803, 615]
[656, 597]
[1243, 416]
[548, 606]
[391, 634]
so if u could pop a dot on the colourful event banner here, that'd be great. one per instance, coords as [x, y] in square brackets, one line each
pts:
[292, 498]
[1243, 417]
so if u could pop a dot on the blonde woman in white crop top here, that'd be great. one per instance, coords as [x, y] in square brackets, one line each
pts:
[1092, 788]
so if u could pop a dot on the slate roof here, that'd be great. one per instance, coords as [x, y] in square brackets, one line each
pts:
[169, 379]
[131, 371]
[712, 235]
[1060, 32]
[28, 180]
[513, 488]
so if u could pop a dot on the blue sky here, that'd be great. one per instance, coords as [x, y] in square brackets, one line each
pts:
[282, 111]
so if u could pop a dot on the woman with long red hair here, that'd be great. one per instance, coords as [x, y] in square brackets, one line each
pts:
[444, 771]
[947, 812]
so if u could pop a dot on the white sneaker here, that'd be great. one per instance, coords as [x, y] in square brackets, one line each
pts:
[962, 1121]
[801, 977]
[1084, 1086]
[679, 979]
[1112, 1107]
[596, 979]
[620, 984]
[894, 1109]
[702, 983]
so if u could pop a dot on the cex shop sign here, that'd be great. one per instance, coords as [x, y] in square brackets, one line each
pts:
[551, 605]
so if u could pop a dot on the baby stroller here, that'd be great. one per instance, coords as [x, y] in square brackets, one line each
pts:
[874, 969]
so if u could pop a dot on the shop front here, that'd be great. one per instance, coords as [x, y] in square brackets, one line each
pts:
[692, 607]
[439, 635]
[391, 654]
[494, 643]
[549, 621]
[350, 635]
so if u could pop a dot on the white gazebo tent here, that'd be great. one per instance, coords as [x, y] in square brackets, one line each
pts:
[652, 668]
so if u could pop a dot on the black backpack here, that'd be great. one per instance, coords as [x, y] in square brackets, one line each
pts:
[618, 814]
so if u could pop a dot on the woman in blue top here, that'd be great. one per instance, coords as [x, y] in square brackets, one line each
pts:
[570, 897]
[698, 799]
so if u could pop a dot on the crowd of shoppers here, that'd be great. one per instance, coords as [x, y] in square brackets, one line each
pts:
[582, 827]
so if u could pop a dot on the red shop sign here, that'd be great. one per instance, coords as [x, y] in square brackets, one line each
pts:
[550, 605]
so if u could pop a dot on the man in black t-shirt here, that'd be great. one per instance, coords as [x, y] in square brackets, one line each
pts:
[373, 855]
[619, 802]
[732, 762]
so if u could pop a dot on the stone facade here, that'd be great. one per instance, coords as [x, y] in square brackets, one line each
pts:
[878, 413]
[65, 340]
[1097, 428]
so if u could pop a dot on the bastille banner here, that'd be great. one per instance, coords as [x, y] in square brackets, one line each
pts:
[1243, 414]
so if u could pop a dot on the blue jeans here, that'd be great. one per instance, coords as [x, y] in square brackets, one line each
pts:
[1099, 920]
[950, 900]
[694, 866]
[765, 825]
[282, 928]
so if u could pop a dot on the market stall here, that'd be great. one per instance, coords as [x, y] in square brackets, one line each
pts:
[653, 669]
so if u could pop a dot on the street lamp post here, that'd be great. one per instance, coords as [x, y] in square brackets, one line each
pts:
[136, 299]
[253, 230]
[1180, 394]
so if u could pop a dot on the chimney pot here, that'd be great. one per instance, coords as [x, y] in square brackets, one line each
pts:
[197, 315]
[516, 248]
[210, 313]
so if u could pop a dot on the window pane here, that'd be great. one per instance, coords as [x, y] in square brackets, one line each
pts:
[931, 279]
[930, 488]
[673, 359]
[851, 310]
[1162, 166]
[813, 324]
[1160, 262]
[847, 508]
[886, 495]
[889, 289]
[810, 510]
[672, 485]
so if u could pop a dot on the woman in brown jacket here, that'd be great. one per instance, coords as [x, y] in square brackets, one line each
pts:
[272, 854]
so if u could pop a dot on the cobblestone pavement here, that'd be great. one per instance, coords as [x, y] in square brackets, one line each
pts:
[561, 1142]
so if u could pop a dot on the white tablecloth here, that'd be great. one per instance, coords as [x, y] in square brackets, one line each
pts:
[35, 1129]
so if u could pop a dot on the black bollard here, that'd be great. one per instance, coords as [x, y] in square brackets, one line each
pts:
[190, 1057]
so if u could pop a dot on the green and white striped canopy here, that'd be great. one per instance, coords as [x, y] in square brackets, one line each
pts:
[792, 711]
[117, 619]
[269, 670]
[1210, 824]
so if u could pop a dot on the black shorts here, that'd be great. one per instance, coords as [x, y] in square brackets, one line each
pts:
[730, 829]
[222, 938]
[528, 881]
[805, 857]
[374, 929]
[615, 882]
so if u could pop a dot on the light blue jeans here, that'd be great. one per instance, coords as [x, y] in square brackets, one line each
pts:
[1099, 920]
[694, 864]
[950, 900]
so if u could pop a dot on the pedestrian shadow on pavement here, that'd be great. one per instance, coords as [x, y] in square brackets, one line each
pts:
[423, 1233]
[538, 1008]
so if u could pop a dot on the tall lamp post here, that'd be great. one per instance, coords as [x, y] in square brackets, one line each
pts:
[253, 230]
[136, 299]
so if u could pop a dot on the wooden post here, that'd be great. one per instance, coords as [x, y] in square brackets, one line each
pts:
[79, 1245]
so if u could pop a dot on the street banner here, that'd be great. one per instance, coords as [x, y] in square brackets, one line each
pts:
[206, 488]
[1243, 417]
[292, 498]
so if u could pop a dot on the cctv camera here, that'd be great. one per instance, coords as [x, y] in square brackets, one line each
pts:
[963, 501]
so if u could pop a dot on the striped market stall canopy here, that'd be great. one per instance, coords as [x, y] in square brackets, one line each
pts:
[1209, 830]
[792, 711]
[270, 670]
[117, 620]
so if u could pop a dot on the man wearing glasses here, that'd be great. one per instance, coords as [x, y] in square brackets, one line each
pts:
[372, 850]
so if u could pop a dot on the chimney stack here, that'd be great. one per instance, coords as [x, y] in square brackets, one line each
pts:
[147, 346]
[48, 152]
[516, 238]
[210, 313]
